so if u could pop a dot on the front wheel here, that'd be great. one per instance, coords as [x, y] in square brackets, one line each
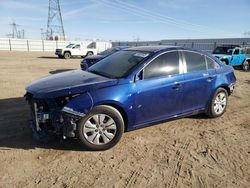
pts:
[218, 104]
[67, 55]
[246, 66]
[100, 129]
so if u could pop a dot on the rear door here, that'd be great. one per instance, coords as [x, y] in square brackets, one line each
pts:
[196, 81]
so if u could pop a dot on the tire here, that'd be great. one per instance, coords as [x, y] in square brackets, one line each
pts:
[89, 54]
[67, 55]
[218, 104]
[246, 65]
[93, 134]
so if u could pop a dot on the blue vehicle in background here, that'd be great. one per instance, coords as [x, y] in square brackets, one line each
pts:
[129, 89]
[91, 60]
[238, 57]
[226, 49]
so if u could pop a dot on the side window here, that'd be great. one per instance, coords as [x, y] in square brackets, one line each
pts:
[243, 51]
[248, 51]
[236, 52]
[76, 46]
[164, 65]
[92, 45]
[211, 64]
[195, 61]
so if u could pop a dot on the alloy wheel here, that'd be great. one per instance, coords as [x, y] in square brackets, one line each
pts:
[245, 66]
[99, 129]
[220, 103]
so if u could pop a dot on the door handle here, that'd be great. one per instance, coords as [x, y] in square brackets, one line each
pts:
[205, 74]
[176, 85]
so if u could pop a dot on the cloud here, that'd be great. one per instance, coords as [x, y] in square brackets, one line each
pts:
[80, 11]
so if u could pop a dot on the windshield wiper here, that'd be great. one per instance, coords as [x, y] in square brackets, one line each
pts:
[101, 74]
[98, 73]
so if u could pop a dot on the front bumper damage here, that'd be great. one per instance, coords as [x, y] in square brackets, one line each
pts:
[50, 119]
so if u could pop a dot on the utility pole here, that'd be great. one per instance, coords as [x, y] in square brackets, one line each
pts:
[55, 24]
[15, 33]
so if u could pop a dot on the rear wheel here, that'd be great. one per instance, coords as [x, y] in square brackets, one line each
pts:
[67, 55]
[89, 54]
[218, 104]
[246, 65]
[101, 129]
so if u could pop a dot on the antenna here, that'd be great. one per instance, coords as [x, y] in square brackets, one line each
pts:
[55, 23]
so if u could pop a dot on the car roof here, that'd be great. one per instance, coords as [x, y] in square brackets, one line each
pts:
[152, 48]
[162, 48]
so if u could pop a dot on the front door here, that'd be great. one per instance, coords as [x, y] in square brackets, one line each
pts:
[235, 61]
[158, 93]
[76, 50]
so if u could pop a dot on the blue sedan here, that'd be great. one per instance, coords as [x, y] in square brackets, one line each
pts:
[93, 59]
[129, 89]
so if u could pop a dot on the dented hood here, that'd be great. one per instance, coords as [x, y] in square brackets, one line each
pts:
[66, 83]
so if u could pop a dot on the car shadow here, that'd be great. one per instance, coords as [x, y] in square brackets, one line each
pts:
[199, 116]
[60, 70]
[247, 81]
[55, 57]
[15, 132]
[49, 57]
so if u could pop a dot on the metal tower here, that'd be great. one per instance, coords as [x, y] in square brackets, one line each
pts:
[55, 23]
[15, 32]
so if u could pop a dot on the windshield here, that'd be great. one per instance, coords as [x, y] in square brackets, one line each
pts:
[118, 65]
[70, 45]
[108, 51]
[222, 50]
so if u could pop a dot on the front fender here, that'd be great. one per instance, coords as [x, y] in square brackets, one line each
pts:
[79, 105]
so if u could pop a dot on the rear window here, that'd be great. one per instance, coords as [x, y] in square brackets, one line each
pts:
[195, 61]
[211, 64]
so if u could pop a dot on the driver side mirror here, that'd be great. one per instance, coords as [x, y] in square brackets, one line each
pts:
[139, 76]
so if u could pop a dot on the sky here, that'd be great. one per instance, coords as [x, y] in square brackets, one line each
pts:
[130, 20]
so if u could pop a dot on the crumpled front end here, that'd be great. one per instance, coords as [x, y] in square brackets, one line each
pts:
[50, 118]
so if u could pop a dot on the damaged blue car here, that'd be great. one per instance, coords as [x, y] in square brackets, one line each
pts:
[130, 89]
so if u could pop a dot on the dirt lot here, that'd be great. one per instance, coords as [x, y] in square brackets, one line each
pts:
[190, 152]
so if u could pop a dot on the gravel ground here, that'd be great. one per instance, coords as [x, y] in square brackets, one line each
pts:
[189, 152]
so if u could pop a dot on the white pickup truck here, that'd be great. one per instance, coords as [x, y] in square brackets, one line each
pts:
[82, 49]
